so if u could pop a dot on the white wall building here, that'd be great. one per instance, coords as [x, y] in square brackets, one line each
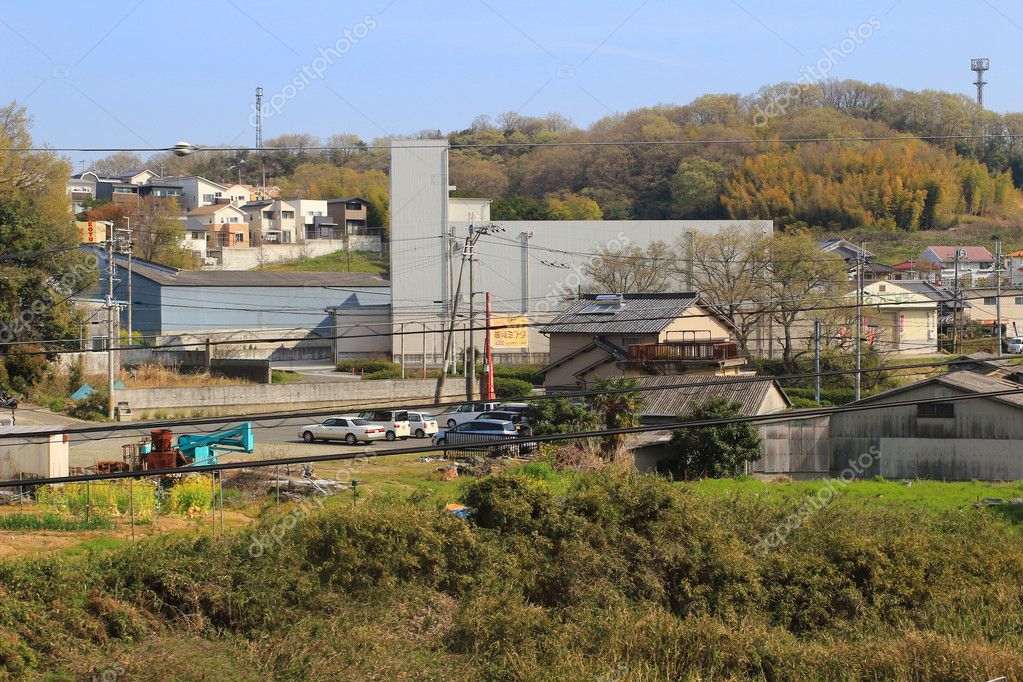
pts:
[196, 191]
[530, 267]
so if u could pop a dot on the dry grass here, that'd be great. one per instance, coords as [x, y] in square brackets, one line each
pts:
[158, 376]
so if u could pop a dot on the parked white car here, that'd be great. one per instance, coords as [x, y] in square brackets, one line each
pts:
[466, 413]
[1015, 344]
[422, 424]
[394, 422]
[349, 429]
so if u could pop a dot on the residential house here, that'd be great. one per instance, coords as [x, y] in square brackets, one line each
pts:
[855, 257]
[906, 316]
[350, 215]
[961, 440]
[81, 188]
[638, 335]
[913, 269]
[983, 309]
[239, 195]
[678, 395]
[219, 225]
[975, 262]
[312, 220]
[197, 191]
[271, 222]
[1012, 268]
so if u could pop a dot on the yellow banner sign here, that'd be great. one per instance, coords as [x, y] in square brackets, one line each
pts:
[509, 332]
[92, 231]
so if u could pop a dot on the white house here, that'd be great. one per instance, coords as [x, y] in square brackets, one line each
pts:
[197, 191]
[975, 262]
[271, 222]
[239, 195]
[903, 316]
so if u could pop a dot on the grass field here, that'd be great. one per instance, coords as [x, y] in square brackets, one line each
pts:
[339, 261]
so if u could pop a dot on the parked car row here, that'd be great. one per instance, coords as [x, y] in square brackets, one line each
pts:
[474, 424]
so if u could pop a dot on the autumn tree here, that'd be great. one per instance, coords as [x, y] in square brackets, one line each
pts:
[569, 206]
[157, 230]
[40, 268]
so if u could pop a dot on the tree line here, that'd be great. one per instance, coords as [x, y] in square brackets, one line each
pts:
[890, 185]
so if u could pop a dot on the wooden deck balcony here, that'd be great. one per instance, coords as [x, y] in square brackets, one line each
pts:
[684, 351]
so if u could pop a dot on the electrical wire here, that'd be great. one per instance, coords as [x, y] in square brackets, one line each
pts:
[525, 145]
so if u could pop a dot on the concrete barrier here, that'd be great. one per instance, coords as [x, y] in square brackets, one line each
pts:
[345, 395]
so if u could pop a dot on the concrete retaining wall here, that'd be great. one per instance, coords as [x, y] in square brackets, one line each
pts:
[343, 394]
[252, 257]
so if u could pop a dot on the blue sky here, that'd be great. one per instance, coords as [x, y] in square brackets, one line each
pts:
[149, 73]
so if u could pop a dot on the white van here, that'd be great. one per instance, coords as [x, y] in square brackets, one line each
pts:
[395, 422]
[1015, 344]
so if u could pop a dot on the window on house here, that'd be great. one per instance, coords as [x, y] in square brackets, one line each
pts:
[990, 300]
[1018, 300]
[936, 410]
[208, 198]
[268, 215]
[287, 215]
[239, 238]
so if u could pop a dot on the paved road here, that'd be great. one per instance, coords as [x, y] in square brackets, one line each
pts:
[277, 438]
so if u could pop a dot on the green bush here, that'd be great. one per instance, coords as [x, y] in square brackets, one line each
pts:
[389, 373]
[190, 496]
[507, 389]
[103, 498]
[365, 366]
[530, 373]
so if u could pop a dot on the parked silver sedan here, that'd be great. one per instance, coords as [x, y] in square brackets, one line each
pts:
[349, 429]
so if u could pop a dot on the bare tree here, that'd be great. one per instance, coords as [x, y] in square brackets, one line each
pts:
[730, 270]
[630, 269]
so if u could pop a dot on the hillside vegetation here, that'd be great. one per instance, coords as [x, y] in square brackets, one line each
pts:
[877, 184]
[578, 576]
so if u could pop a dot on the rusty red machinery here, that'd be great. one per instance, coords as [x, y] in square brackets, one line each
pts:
[162, 455]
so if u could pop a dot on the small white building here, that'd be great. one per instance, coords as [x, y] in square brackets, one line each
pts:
[903, 316]
[197, 191]
[31, 455]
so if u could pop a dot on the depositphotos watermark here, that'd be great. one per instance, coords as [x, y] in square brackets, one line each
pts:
[567, 285]
[817, 72]
[823, 497]
[274, 536]
[315, 69]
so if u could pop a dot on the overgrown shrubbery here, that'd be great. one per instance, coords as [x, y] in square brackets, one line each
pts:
[506, 389]
[528, 373]
[614, 575]
[366, 366]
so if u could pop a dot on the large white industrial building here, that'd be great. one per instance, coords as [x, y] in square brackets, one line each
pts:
[530, 267]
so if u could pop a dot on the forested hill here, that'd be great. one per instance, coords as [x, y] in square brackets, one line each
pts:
[900, 184]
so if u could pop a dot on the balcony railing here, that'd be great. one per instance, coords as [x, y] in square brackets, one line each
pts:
[683, 351]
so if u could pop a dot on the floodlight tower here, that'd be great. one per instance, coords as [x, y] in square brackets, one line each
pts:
[980, 66]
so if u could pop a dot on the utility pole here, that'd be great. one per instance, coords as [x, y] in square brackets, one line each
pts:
[956, 340]
[129, 243]
[110, 326]
[450, 341]
[470, 370]
[473, 234]
[488, 393]
[860, 258]
[817, 360]
[998, 293]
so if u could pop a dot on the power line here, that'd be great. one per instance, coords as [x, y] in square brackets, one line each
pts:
[311, 459]
[518, 145]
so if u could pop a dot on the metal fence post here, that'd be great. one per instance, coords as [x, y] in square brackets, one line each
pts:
[131, 505]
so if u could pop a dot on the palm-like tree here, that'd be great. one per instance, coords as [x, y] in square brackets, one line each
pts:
[618, 408]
